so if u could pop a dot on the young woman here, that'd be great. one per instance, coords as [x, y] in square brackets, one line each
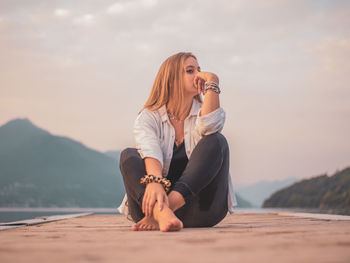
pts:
[178, 175]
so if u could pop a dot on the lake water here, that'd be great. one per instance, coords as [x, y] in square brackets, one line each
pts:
[17, 214]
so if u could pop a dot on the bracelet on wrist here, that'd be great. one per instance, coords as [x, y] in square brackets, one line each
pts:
[149, 178]
[211, 85]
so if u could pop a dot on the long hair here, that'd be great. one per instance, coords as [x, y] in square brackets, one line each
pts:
[168, 84]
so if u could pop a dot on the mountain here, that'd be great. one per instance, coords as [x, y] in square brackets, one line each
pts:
[38, 169]
[113, 154]
[323, 192]
[242, 203]
[258, 192]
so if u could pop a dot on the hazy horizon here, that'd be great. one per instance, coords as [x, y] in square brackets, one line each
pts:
[84, 69]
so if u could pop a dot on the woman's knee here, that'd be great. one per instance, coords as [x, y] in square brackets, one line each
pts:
[215, 140]
[216, 137]
[128, 157]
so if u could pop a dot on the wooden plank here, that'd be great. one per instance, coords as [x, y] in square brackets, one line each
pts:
[240, 237]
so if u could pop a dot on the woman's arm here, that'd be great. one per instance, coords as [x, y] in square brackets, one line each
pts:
[211, 118]
[211, 102]
[147, 137]
[211, 99]
[154, 192]
[147, 143]
[153, 166]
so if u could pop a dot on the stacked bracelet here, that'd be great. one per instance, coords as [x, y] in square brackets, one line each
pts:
[149, 178]
[212, 86]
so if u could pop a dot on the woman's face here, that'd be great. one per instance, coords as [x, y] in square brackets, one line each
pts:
[191, 69]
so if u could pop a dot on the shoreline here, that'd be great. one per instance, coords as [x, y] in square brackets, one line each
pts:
[57, 209]
[114, 210]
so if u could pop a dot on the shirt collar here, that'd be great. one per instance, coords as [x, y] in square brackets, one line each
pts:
[193, 112]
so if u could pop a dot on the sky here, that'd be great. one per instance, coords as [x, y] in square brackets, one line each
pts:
[83, 69]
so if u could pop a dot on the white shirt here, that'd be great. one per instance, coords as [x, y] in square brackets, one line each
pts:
[155, 136]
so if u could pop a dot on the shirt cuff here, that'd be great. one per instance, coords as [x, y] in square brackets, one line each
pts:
[211, 122]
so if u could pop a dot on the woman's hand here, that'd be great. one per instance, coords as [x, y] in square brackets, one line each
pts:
[203, 77]
[154, 193]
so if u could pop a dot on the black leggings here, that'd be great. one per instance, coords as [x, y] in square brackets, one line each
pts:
[203, 184]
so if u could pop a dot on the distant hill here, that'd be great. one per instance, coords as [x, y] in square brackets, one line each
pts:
[323, 192]
[258, 192]
[113, 154]
[38, 169]
[242, 203]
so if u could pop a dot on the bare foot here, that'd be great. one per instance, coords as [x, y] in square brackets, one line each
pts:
[167, 220]
[146, 224]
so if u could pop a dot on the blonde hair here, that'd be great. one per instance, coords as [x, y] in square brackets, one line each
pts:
[168, 84]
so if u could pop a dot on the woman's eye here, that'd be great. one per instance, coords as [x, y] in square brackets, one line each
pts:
[189, 71]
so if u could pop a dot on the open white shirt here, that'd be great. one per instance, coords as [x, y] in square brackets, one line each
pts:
[155, 136]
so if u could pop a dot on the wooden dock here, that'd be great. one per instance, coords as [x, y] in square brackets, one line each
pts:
[241, 237]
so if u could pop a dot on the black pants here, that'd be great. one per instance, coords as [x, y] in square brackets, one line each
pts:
[205, 179]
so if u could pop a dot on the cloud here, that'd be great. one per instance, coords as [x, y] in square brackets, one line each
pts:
[282, 65]
[149, 3]
[117, 8]
[334, 54]
[85, 20]
[62, 12]
[338, 20]
[328, 77]
[2, 24]
[123, 7]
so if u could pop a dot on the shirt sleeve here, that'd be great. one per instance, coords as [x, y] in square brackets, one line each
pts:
[211, 122]
[146, 136]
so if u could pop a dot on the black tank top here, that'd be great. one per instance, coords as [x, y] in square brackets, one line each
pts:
[178, 163]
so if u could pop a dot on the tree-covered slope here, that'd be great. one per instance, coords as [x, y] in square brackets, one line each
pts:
[40, 169]
[323, 192]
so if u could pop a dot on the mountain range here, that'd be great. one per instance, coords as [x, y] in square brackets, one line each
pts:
[38, 169]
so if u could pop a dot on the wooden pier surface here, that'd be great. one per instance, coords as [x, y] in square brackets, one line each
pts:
[241, 237]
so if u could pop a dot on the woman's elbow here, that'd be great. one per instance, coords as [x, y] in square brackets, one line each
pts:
[204, 131]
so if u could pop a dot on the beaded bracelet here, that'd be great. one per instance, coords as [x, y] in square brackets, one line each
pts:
[212, 86]
[149, 178]
[215, 89]
[213, 83]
